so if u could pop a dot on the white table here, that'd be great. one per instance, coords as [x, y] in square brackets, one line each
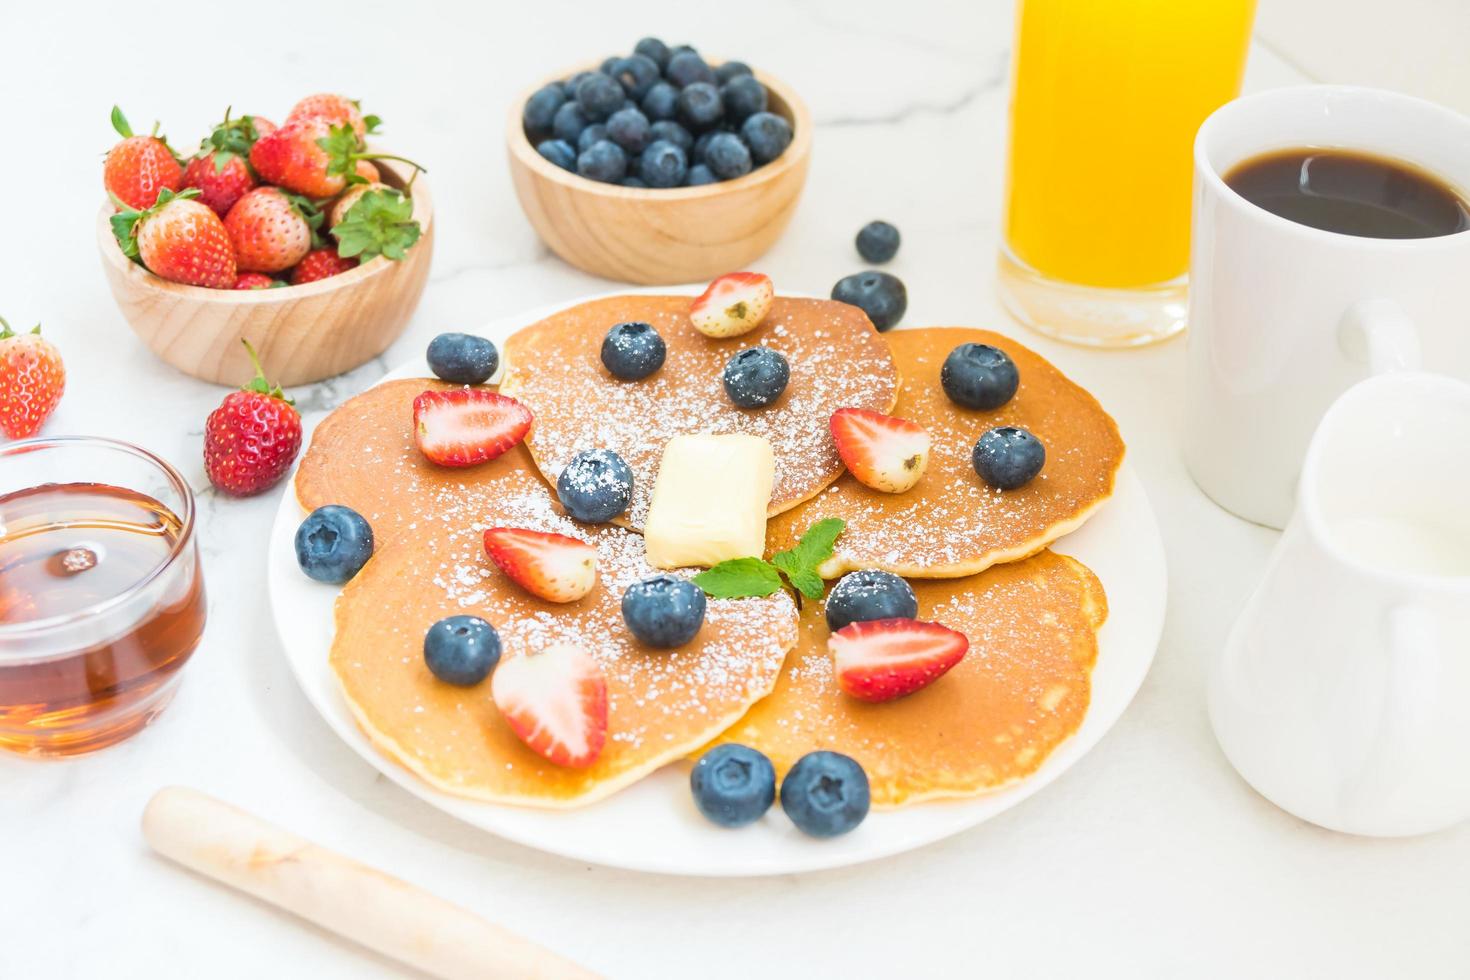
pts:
[1150, 859]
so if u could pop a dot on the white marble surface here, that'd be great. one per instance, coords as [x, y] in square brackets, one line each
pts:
[1150, 859]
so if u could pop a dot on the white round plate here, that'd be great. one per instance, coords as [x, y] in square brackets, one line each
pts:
[653, 826]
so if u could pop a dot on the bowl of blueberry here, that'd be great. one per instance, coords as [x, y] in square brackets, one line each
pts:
[659, 166]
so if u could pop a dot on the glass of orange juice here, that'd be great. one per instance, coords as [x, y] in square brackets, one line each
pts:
[1106, 96]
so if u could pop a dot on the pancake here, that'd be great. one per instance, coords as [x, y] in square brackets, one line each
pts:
[952, 523]
[1021, 690]
[430, 563]
[837, 359]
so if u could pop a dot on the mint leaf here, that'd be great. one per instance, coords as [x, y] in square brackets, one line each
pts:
[739, 578]
[815, 545]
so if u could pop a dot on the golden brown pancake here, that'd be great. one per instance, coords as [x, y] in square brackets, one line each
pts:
[1020, 691]
[430, 563]
[952, 523]
[837, 359]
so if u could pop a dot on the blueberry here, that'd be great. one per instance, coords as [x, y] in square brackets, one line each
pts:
[570, 85]
[569, 122]
[663, 165]
[699, 106]
[461, 650]
[733, 785]
[599, 96]
[629, 129]
[699, 174]
[756, 376]
[877, 242]
[825, 794]
[730, 70]
[633, 182]
[767, 135]
[559, 152]
[727, 157]
[608, 64]
[979, 376]
[541, 107]
[869, 594]
[654, 50]
[681, 49]
[661, 101]
[462, 358]
[878, 294]
[637, 74]
[701, 145]
[596, 486]
[667, 129]
[604, 161]
[663, 611]
[590, 135]
[1008, 457]
[633, 351]
[743, 97]
[687, 67]
[333, 544]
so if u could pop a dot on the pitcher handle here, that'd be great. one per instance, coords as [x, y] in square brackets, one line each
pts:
[1378, 332]
[1409, 697]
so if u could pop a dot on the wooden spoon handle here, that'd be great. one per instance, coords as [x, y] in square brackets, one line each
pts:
[379, 911]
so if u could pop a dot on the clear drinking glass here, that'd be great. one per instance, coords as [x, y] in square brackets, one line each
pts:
[101, 593]
[1106, 96]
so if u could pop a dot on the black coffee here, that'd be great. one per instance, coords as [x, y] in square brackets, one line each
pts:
[1351, 193]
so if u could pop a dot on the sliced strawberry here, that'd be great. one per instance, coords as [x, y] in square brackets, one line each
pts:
[556, 702]
[554, 567]
[883, 659]
[734, 304]
[466, 426]
[880, 451]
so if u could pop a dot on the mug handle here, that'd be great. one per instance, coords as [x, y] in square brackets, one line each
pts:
[1377, 332]
[1409, 697]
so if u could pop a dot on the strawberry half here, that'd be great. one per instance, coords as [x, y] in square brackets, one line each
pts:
[554, 567]
[734, 304]
[880, 451]
[883, 659]
[467, 426]
[556, 702]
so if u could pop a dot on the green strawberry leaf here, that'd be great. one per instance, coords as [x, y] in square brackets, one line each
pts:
[312, 214]
[373, 123]
[120, 123]
[379, 223]
[342, 146]
[739, 578]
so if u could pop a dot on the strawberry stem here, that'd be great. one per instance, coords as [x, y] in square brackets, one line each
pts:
[389, 156]
[259, 383]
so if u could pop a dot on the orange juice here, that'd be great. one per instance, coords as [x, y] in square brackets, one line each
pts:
[1106, 96]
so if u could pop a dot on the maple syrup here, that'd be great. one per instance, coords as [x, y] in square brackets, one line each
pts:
[101, 603]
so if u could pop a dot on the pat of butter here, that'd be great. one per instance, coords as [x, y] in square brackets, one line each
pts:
[709, 500]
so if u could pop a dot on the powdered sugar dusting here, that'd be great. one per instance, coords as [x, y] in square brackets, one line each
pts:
[837, 360]
[952, 520]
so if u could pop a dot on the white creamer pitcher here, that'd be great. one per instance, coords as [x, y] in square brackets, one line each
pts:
[1343, 691]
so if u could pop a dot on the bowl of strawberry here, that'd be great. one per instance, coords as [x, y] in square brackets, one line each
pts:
[658, 166]
[300, 238]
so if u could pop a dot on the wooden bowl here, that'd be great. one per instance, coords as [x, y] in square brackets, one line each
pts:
[302, 333]
[654, 237]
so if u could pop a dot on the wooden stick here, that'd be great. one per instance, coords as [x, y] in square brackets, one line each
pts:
[379, 911]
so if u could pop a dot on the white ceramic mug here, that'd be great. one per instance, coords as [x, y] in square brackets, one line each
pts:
[1284, 317]
[1342, 692]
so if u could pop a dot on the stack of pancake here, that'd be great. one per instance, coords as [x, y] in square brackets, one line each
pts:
[758, 673]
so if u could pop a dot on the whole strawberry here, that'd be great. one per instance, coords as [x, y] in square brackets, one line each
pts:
[253, 437]
[139, 167]
[219, 169]
[293, 157]
[323, 263]
[334, 110]
[271, 230]
[31, 381]
[178, 239]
